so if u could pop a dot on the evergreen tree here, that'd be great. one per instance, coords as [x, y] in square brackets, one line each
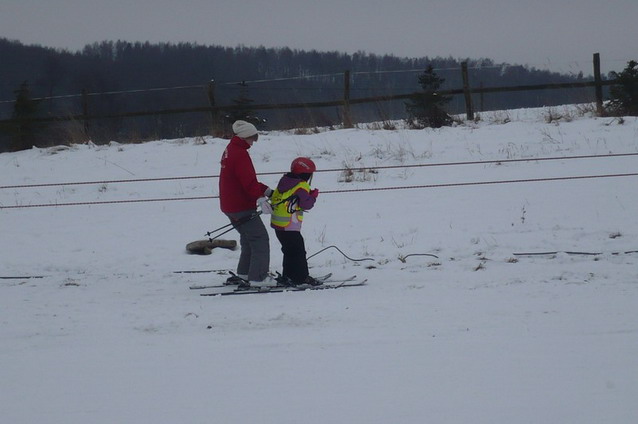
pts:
[24, 110]
[242, 105]
[427, 109]
[242, 110]
[624, 96]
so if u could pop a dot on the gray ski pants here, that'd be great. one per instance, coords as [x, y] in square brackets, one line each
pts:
[254, 259]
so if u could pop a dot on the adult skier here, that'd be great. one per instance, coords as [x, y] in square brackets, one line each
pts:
[239, 195]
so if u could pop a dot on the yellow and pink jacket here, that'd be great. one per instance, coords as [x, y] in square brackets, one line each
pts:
[291, 198]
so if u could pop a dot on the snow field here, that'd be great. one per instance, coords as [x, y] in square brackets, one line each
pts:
[479, 334]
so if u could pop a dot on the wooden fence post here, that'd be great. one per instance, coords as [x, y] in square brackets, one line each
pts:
[214, 113]
[85, 111]
[599, 88]
[469, 108]
[347, 117]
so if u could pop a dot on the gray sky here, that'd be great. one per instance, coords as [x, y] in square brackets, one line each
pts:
[559, 35]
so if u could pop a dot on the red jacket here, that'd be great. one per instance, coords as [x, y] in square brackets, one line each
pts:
[238, 185]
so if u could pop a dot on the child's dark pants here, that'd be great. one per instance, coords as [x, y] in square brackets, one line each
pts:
[295, 265]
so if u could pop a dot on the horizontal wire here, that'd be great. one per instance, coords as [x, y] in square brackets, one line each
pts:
[135, 180]
[477, 183]
[241, 83]
[444, 185]
[367, 168]
[108, 202]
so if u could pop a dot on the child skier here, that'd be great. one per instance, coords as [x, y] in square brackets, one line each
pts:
[292, 197]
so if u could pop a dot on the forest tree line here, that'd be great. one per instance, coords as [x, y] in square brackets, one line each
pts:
[242, 75]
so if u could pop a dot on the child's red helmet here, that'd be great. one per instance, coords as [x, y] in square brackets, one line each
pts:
[302, 166]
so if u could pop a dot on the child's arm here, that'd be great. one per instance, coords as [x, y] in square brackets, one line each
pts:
[306, 199]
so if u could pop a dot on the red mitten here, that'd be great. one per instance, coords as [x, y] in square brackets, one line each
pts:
[314, 193]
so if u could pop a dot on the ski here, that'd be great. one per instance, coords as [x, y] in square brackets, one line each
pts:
[201, 271]
[341, 280]
[210, 286]
[280, 289]
[23, 277]
[323, 278]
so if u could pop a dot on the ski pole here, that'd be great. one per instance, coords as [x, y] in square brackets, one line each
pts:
[234, 225]
[239, 222]
[209, 233]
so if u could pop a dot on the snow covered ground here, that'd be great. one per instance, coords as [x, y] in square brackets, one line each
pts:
[111, 334]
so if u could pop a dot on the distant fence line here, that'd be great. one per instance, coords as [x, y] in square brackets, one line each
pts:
[215, 110]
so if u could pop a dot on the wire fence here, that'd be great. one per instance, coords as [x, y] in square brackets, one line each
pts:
[343, 104]
[244, 82]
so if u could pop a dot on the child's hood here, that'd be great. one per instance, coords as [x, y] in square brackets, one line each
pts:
[287, 182]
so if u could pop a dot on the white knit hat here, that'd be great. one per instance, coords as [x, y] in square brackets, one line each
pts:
[244, 129]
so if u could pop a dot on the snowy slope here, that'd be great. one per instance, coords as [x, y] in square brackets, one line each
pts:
[479, 334]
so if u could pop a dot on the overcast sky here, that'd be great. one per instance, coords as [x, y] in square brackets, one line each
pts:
[559, 35]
